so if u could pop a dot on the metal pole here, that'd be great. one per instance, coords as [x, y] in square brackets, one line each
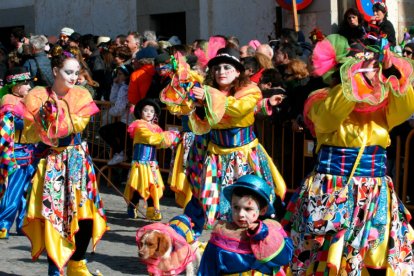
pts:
[295, 16]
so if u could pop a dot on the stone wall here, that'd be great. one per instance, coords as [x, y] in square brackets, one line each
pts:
[246, 19]
[100, 17]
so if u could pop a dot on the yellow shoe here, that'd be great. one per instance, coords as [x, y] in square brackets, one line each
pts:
[78, 268]
[202, 246]
[4, 234]
[157, 215]
[153, 214]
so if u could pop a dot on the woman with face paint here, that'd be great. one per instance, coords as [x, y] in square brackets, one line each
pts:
[226, 108]
[64, 207]
[252, 244]
[16, 158]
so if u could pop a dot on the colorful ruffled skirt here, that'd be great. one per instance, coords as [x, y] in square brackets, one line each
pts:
[346, 217]
[64, 191]
[145, 177]
[231, 154]
[14, 201]
[187, 165]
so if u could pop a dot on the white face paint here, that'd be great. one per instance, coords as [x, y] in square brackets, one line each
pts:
[148, 113]
[225, 74]
[245, 210]
[67, 76]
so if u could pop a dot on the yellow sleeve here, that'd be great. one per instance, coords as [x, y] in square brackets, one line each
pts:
[218, 104]
[79, 107]
[185, 108]
[400, 107]
[79, 123]
[240, 107]
[197, 125]
[329, 113]
[30, 132]
[164, 139]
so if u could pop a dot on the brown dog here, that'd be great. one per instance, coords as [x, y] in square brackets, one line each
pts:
[154, 244]
[165, 252]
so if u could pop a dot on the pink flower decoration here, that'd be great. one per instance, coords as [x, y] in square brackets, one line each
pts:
[324, 57]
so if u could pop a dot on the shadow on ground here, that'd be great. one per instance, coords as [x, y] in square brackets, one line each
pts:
[121, 264]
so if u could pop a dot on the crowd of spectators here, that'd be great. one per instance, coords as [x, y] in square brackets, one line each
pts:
[142, 61]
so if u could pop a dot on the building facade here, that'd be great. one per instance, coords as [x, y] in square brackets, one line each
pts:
[187, 19]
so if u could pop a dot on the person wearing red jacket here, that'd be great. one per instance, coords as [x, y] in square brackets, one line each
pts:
[141, 78]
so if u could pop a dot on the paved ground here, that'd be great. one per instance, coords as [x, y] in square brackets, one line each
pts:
[116, 253]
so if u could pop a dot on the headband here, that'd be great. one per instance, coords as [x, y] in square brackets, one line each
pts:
[227, 55]
[18, 77]
[380, 6]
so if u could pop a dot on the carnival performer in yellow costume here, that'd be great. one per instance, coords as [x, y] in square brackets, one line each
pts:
[188, 156]
[346, 218]
[226, 109]
[64, 207]
[145, 180]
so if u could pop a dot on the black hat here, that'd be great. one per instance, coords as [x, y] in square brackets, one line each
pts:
[147, 52]
[75, 37]
[162, 58]
[142, 103]
[227, 55]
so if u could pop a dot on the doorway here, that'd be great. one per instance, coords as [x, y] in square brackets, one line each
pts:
[5, 36]
[169, 24]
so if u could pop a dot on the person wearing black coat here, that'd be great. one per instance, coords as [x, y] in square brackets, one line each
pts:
[381, 24]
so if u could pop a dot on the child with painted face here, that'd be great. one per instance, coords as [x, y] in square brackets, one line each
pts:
[16, 158]
[145, 179]
[251, 242]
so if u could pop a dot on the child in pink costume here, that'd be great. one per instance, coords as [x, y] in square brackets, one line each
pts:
[248, 245]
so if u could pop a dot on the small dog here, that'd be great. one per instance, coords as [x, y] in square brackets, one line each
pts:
[169, 249]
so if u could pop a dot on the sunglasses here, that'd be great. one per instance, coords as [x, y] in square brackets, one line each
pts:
[408, 52]
[165, 67]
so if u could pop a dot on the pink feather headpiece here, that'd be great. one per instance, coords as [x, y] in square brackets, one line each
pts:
[214, 43]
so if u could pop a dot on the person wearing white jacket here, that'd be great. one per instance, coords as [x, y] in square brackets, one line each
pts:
[119, 108]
